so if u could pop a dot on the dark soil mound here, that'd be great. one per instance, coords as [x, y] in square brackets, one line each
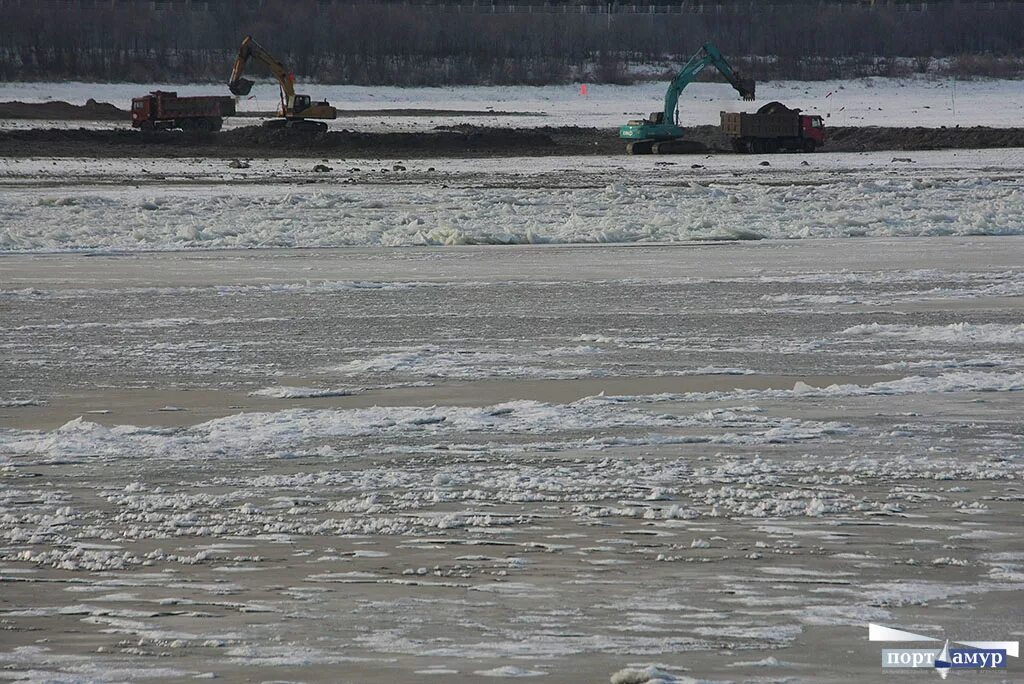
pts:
[872, 138]
[450, 141]
[90, 111]
[469, 140]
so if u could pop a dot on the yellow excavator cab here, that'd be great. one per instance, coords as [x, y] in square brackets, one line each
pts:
[320, 110]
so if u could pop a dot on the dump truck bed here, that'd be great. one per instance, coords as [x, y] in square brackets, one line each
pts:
[742, 125]
[172, 107]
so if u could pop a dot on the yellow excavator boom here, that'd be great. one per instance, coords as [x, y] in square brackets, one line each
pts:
[250, 48]
[292, 106]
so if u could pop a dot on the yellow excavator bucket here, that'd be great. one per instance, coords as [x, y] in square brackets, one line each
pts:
[241, 87]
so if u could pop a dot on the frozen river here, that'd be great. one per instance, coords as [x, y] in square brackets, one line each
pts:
[721, 460]
[166, 204]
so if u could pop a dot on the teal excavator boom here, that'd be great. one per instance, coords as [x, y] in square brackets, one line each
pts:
[660, 133]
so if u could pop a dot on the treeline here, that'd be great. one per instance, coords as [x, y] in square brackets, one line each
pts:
[383, 43]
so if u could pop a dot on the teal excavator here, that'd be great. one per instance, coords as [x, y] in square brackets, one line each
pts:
[660, 133]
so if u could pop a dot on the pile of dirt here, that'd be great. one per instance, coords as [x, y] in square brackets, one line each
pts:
[258, 141]
[388, 112]
[874, 138]
[457, 141]
[57, 110]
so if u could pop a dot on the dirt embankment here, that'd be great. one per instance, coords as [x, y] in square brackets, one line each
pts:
[62, 111]
[870, 138]
[257, 141]
[458, 141]
[399, 112]
[878, 138]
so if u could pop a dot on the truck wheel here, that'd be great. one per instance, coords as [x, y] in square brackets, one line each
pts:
[216, 123]
[201, 124]
[808, 145]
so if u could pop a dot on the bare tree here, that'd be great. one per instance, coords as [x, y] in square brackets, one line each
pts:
[378, 42]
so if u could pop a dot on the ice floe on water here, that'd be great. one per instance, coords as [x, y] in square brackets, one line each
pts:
[149, 324]
[434, 362]
[285, 392]
[277, 434]
[259, 433]
[811, 203]
[263, 433]
[283, 288]
[649, 675]
[41, 664]
[510, 671]
[14, 403]
[962, 381]
[954, 333]
[851, 286]
[757, 475]
[255, 433]
[952, 363]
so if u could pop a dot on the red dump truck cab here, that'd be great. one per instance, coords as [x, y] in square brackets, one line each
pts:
[142, 110]
[162, 109]
[812, 127]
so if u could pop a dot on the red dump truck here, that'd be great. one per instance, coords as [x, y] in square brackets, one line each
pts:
[774, 127]
[162, 109]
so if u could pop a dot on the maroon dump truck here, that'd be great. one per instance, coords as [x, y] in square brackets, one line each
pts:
[162, 109]
[774, 127]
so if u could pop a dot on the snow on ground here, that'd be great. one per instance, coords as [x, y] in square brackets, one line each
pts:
[924, 101]
[55, 205]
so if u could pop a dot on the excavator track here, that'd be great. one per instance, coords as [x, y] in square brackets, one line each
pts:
[298, 125]
[639, 147]
[678, 147]
[307, 126]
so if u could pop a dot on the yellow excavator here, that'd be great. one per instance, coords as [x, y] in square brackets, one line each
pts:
[296, 111]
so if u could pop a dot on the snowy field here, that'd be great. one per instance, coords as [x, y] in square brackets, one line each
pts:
[469, 464]
[161, 204]
[863, 102]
